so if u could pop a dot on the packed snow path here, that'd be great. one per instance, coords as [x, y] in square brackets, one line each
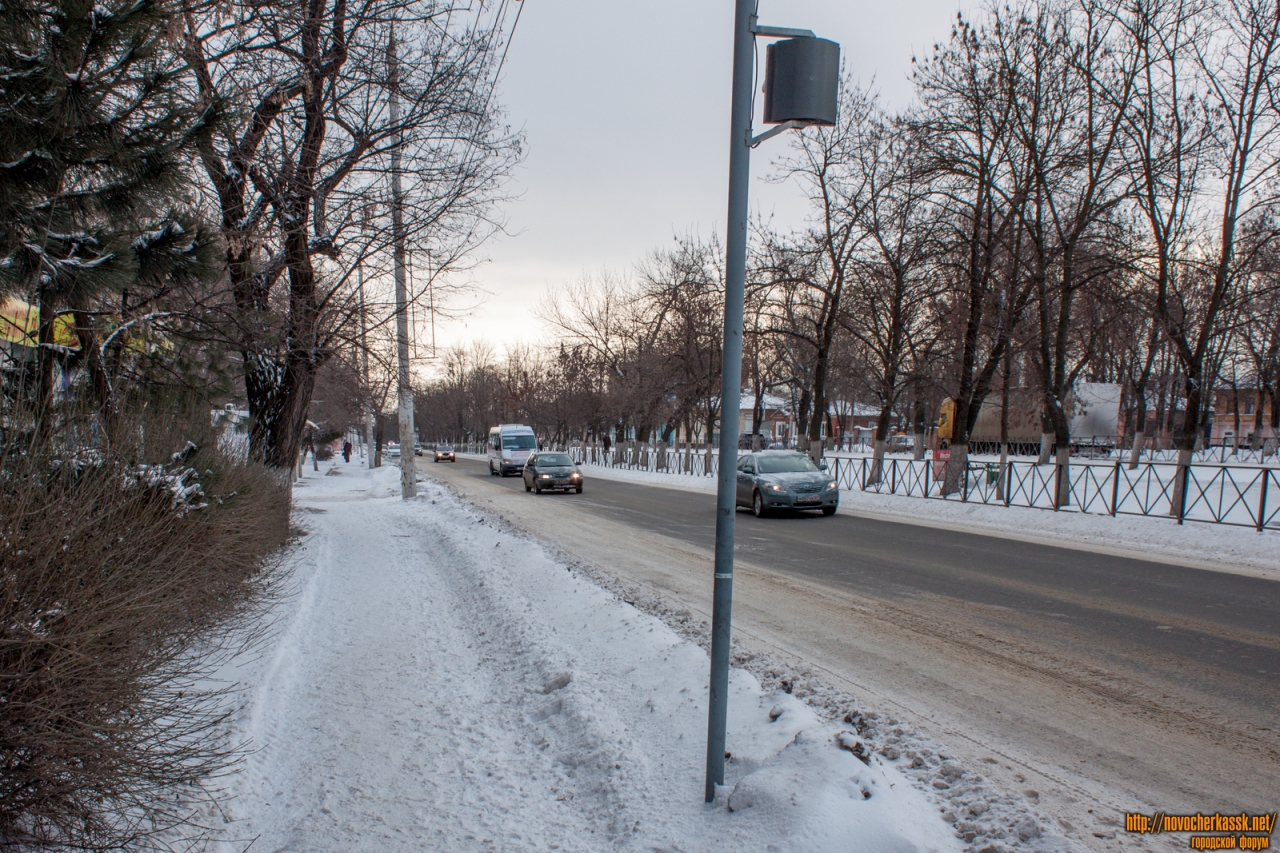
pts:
[436, 684]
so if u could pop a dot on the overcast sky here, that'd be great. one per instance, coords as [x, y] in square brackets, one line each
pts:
[626, 111]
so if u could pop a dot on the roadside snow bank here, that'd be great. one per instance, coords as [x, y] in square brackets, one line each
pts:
[442, 684]
[1212, 546]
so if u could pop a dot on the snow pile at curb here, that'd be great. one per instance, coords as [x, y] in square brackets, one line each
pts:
[440, 683]
[986, 819]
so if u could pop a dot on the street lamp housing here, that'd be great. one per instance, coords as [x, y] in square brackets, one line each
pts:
[802, 81]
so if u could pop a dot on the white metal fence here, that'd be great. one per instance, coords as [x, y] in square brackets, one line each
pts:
[1234, 494]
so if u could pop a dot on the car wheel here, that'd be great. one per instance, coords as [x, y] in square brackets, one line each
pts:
[758, 507]
[527, 487]
[537, 488]
[828, 510]
[578, 490]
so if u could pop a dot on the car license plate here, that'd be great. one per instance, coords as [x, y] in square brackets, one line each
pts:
[809, 499]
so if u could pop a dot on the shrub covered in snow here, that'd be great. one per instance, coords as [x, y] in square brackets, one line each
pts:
[121, 573]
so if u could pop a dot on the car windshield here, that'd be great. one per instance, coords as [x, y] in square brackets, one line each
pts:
[555, 459]
[445, 449]
[518, 442]
[785, 464]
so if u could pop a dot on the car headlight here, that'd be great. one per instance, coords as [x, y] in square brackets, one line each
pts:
[545, 476]
[575, 475]
[833, 485]
[774, 487]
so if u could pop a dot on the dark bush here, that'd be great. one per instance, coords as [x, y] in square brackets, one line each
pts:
[124, 576]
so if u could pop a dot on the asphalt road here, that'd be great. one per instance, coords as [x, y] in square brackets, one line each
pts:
[1052, 646]
[1228, 624]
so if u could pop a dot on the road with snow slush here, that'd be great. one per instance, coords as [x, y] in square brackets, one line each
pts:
[1090, 684]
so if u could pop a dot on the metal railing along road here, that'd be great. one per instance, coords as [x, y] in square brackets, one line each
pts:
[1219, 494]
[1237, 495]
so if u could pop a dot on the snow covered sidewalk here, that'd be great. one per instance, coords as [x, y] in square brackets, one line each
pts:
[436, 684]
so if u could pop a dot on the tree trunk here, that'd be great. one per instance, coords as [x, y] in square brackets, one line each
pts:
[1004, 426]
[1185, 440]
[877, 453]
[711, 426]
[1180, 478]
[956, 468]
[100, 381]
[1139, 426]
[1046, 441]
[1061, 437]
[1275, 419]
[1062, 474]
[1255, 438]
[1235, 415]
[918, 432]
[46, 365]
[370, 427]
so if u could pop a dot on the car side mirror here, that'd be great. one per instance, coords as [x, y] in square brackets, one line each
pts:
[822, 463]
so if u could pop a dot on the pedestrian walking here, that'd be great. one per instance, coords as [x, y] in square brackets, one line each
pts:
[346, 451]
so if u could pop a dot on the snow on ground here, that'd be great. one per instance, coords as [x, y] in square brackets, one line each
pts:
[1214, 546]
[438, 683]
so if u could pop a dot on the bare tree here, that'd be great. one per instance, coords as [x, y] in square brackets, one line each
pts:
[1186, 160]
[683, 289]
[298, 96]
[1070, 85]
[1261, 339]
[965, 124]
[815, 266]
[892, 286]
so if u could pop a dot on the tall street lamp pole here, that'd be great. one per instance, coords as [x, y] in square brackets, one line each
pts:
[404, 390]
[730, 388]
[801, 86]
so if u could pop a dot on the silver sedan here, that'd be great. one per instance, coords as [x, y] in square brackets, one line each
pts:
[774, 480]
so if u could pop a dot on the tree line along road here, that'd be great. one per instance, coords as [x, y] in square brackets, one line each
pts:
[1089, 683]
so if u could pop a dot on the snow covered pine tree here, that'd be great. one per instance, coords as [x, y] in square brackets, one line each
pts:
[93, 129]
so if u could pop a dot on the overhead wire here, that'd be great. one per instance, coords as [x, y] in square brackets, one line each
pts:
[503, 61]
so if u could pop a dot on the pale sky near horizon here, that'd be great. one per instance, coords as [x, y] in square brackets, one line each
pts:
[626, 111]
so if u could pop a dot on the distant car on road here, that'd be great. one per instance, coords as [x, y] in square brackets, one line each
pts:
[444, 453]
[392, 449]
[551, 469]
[774, 480]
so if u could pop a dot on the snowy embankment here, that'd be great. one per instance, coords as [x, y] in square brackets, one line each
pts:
[440, 684]
[1213, 546]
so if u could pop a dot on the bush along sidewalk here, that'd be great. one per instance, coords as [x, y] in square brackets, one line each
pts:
[126, 577]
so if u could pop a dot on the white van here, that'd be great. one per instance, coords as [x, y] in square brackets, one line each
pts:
[509, 447]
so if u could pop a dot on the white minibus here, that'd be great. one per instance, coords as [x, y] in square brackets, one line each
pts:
[509, 447]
